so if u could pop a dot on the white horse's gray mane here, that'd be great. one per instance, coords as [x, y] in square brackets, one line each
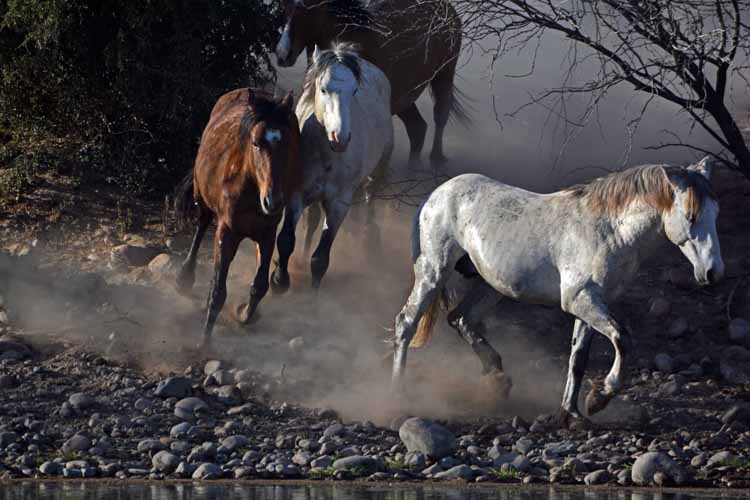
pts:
[649, 183]
[340, 53]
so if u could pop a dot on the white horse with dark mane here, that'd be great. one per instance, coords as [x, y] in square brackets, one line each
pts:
[347, 135]
[577, 248]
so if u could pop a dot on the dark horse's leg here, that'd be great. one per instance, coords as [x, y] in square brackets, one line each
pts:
[285, 243]
[466, 319]
[335, 211]
[416, 129]
[186, 276]
[225, 248]
[442, 94]
[259, 288]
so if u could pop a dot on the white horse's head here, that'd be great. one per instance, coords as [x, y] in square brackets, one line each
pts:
[335, 77]
[691, 222]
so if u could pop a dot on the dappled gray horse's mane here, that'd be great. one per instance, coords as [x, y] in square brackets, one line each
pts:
[612, 194]
[341, 53]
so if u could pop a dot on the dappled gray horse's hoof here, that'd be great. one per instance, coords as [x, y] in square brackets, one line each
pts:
[597, 399]
[280, 281]
[495, 386]
[244, 314]
[574, 421]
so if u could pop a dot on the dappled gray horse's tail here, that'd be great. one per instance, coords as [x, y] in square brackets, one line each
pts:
[427, 321]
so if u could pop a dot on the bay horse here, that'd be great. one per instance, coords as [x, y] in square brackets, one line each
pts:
[246, 168]
[577, 248]
[347, 134]
[415, 43]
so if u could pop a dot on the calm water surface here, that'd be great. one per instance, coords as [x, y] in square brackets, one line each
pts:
[140, 491]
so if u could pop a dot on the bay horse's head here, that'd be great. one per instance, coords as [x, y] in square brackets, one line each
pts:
[316, 22]
[333, 80]
[270, 132]
[690, 222]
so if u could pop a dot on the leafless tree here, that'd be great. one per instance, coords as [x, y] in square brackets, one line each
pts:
[688, 52]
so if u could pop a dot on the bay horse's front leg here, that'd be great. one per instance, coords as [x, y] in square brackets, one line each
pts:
[590, 308]
[285, 243]
[570, 417]
[259, 288]
[335, 211]
[225, 248]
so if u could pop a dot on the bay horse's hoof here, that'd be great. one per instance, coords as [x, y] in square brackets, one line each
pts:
[574, 421]
[597, 399]
[280, 281]
[244, 315]
[496, 384]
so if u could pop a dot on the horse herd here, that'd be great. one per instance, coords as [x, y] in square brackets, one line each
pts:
[260, 158]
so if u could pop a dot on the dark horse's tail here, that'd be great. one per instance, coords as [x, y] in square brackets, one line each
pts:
[184, 200]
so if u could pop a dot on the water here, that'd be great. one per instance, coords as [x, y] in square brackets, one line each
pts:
[248, 491]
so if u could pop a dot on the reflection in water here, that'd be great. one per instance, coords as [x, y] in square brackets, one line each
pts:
[187, 491]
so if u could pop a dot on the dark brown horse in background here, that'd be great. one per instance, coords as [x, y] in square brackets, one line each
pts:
[414, 42]
[247, 166]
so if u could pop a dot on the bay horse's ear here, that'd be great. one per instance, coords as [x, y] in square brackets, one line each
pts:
[288, 102]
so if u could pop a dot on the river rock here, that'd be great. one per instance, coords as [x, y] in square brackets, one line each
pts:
[174, 387]
[132, 255]
[233, 443]
[659, 307]
[653, 462]
[622, 414]
[51, 468]
[150, 445]
[8, 381]
[79, 442]
[322, 462]
[458, 472]
[207, 471]
[7, 439]
[427, 437]
[719, 459]
[678, 328]
[212, 366]
[188, 407]
[597, 477]
[165, 461]
[162, 266]
[367, 465]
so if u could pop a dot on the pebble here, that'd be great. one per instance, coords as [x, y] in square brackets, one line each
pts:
[76, 443]
[651, 463]
[174, 387]
[207, 471]
[188, 408]
[165, 462]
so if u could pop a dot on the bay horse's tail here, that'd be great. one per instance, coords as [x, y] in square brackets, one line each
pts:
[461, 107]
[184, 199]
[427, 321]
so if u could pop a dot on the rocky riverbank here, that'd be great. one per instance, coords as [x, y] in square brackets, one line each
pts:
[98, 380]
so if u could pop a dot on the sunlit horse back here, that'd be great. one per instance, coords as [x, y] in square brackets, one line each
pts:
[246, 169]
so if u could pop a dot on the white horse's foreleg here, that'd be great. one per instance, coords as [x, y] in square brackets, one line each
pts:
[589, 308]
[428, 279]
[579, 354]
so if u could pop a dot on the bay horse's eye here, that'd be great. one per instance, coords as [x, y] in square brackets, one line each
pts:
[256, 143]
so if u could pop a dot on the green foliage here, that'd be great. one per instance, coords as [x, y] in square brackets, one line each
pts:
[124, 88]
[506, 475]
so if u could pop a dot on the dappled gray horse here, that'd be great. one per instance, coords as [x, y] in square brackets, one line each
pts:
[577, 248]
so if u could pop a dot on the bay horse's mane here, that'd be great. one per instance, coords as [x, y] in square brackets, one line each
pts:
[651, 184]
[265, 108]
[340, 53]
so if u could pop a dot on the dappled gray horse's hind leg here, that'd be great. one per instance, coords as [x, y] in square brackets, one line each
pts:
[467, 320]
[579, 354]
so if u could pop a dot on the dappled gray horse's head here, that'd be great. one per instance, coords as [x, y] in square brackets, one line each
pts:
[691, 222]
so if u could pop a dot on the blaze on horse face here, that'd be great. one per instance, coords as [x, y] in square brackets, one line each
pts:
[300, 30]
[270, 151]
[334, 98]
[691, 223]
